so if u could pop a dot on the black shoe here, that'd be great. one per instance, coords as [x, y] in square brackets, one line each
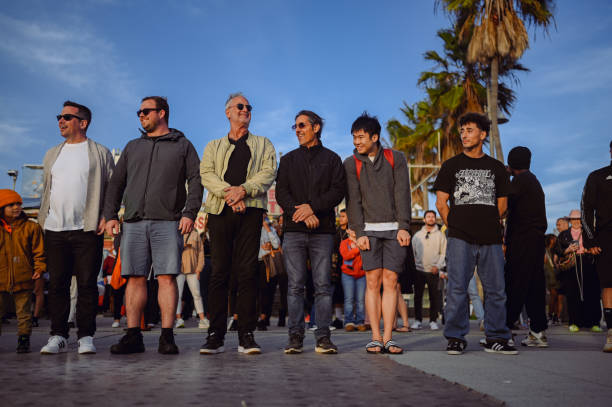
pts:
[337, 323]
[129, 343]
[295, 345]
[281, 322]
[455, 346]
[35, 322]
[23, 344]
[261, 325]
[325, 345]
[500, 347]
[214, 344]
[233, 326]
[167, 346]
[71, 325]
[248, 345]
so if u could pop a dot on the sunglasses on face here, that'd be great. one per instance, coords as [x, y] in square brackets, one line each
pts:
[67, 117]
[241, 106]
[299, 126]
[146, 111]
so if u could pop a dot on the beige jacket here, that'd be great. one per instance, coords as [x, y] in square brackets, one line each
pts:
[261, 172]
[193, 253]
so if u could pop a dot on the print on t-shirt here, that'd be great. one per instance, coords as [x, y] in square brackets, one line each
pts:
[474, 187]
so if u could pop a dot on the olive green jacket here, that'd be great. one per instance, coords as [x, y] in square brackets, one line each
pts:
[261, 172]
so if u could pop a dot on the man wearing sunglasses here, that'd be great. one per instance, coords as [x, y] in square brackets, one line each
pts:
[310, 183]
[237, 171]
[75, 177]
[150, 177]
[429, 247]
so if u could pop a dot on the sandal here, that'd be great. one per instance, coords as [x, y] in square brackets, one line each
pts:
[393, 344]
[374, 344]
[403, 329]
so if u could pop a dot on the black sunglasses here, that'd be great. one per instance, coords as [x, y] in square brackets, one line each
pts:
[147, 111]
[67, 117]
[299, 126]
[241, 106]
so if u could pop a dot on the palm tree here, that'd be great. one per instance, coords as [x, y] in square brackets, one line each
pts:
[496, 34]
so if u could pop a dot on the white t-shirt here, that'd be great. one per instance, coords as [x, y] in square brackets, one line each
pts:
[69, 176]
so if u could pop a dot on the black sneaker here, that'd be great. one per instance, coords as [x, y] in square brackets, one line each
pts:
[261, 325]
[214, 344]
[35, 323]
[325, 345]
[233, 325]
[455, 346]
[500, 347]
[296, 342]
[337, 323]
[248, 345]
[167, 346]
[129, 343]
[23, 344]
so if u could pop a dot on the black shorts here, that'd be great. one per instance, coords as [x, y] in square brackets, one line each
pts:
[385, 252]
[604, 260]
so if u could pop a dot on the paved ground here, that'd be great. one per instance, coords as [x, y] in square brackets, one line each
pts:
[572, 371]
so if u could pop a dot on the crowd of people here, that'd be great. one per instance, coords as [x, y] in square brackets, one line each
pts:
[334, 269]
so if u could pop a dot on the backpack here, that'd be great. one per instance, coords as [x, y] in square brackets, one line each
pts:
[388, 153]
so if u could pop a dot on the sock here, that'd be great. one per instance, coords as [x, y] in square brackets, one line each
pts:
[608, 317]
[133, 331]
[167, 333]
[338, 312]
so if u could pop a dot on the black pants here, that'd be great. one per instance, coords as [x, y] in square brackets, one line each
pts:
[118, 301]
[204, 279]
[152, 312]
[234, 245]
[435, 295]
[79, 253]
[267, 291]
[525, 281]
[586, 311]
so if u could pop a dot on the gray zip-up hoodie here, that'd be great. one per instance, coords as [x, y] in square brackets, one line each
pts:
[382, 192]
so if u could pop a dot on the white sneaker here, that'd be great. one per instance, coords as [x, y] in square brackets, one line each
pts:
[56, 344]
[433, 326]
[179, 323]
[86, 345]
[416, 325]
[204, 323]
[115, 324]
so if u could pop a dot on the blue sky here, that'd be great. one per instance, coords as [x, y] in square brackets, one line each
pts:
[337, 58]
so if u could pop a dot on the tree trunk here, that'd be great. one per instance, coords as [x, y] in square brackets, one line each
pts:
[491, 136]
[493, 110]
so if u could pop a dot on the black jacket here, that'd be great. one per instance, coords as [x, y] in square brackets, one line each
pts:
[314, 176]
[526, 207]
[151, 174]
[596, 205]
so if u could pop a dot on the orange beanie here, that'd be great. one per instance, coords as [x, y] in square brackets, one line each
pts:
[8, 196]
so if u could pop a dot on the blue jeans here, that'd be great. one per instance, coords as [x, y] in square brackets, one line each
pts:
[354, 292]
[475, 298]
[462, 257]
[298, 247]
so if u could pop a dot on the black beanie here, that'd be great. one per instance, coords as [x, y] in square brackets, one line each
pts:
[519, 158]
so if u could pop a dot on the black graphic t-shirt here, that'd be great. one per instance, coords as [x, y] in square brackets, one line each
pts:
[474, 184]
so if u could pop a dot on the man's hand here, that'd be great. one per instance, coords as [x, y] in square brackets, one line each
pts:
[434, 270]
[112, 227]
[36, 275]
[302, 212]
[312, 222]
[267, 246]
[234, 194]
[238, 207]
[363, 243]
[403, 237]
[101, 226]
[595, 250]
[185, 225]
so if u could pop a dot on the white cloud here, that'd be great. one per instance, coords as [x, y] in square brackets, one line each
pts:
[75, 56]
[14, 135]
[569, 166]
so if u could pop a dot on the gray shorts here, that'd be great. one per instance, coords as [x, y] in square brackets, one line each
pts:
[385, 252]
[151, 242]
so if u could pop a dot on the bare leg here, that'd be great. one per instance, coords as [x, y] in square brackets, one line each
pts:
[402, 308]
[606, 296]
[135, 300]
[167, 298]
[389, 302]
[373, 302]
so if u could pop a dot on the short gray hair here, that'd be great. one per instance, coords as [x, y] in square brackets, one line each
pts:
[231, 97]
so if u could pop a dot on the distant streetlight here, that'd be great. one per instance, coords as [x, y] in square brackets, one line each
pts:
[13, 174]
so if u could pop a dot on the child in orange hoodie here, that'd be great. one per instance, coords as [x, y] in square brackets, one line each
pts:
[353, 284]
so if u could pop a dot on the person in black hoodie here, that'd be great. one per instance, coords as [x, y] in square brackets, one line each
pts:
[309, 184]
[151, 175]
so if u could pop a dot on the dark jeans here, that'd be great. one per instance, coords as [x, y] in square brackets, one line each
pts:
[234, 245]
[267, 290]
[525, 281]
[152, 312]
[435, 295]
[297, 249]
[79, 253]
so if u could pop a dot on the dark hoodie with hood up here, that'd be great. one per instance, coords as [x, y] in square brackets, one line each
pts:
[151, 174]
[381, 194]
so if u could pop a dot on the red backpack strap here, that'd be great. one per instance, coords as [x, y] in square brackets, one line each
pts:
[389, 156]
[358, 165]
